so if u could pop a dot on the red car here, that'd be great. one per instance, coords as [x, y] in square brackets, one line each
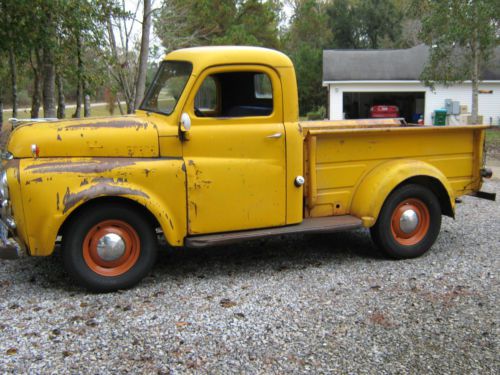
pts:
[384, 111]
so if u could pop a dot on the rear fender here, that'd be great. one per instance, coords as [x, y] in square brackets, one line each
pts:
[374, 189]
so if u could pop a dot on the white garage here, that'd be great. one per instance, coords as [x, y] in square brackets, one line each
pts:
[360, 79]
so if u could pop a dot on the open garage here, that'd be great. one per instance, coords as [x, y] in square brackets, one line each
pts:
[410, 104]
[359, 79]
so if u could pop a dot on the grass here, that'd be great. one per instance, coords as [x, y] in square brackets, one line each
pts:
[96, 111]
[493, 142]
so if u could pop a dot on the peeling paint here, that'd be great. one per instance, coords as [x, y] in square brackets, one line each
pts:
[35, 180]
[101, 189]
[84, 182]
[57, 201]
[96, 165]
[109, 124]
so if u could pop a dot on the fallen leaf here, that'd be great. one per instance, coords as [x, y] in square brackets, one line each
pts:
[12, 351]
[226, 302]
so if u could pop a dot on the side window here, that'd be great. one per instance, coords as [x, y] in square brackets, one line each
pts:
[206, 97]
[263, 87]
[235, 94]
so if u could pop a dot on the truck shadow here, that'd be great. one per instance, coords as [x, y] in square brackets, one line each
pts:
[286, 252]
[268, 255]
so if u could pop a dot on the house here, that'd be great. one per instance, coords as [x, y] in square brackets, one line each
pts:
[358, 79]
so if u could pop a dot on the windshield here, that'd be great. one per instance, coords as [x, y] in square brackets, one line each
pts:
[167, 87]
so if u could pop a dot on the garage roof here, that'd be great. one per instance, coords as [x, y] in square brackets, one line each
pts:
[386, 65]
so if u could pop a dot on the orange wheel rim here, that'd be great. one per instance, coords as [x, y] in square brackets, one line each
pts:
[410, 222]
[111, 248]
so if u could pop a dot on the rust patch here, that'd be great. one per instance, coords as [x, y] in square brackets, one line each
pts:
[59, 137]
[35, 180]
[72, 199]
[109, 124]
[84, 182]
[147, 172]
[103, 180]
[96, 165]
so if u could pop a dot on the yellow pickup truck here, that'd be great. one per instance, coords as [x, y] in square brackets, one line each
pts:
[216, 154]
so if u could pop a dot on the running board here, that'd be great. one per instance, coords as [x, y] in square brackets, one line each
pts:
[310, 225]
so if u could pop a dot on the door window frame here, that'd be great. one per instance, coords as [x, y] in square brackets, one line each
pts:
[275, 117]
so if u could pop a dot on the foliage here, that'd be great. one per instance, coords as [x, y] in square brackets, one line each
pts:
[304, 42]
[364, 24]
[462, 36]
[188, 23]
[458, 29]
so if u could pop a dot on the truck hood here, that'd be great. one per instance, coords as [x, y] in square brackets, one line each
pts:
[123, 136]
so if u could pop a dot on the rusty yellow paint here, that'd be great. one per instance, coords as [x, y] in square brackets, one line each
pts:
[53, 188]
[236, 174]
[17, 199]
[124, 136]
[356, 169]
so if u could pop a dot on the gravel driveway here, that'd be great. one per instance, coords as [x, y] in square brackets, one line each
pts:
[303, 304]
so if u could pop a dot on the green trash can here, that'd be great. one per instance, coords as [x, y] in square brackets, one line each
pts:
[440, 117]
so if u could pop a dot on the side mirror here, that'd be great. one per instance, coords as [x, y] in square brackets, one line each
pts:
[185, 122]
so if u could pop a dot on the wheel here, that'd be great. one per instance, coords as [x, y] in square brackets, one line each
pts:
[109, 247]
[408, 223]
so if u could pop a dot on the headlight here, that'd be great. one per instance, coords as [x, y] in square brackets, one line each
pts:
[4, 189]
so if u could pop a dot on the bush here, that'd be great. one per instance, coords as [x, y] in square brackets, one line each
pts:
[318, 114]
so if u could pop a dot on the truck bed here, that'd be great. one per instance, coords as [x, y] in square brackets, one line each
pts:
[339, 155]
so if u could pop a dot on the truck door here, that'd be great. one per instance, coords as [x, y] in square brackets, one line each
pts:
[235, 151]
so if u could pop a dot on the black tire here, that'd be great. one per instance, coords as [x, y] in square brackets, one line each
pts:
[79, 248]
[385, 232]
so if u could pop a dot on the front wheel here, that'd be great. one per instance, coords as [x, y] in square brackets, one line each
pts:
[109, 247]
[408, 223]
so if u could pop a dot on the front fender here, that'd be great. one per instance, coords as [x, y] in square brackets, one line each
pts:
[52, 189]
[383, 179]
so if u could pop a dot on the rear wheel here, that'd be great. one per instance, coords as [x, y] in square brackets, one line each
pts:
[408, 223]
[109, 247]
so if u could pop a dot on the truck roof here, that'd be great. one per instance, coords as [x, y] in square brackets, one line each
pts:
[202, 57]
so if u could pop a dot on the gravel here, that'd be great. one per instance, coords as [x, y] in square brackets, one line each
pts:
[302, 304]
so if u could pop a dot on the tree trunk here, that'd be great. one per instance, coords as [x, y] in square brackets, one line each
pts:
[475, 73]
[86, 106]
[143, 56]
[49, 83]
[79, 75]
[13, 77]
[1, 113]
[118, 102]
[128, 90]
[36, 98]
[61, 103]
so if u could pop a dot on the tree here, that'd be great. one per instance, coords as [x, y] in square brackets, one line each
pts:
[188, 23]
[143, 55]
[364, 24]
[304, 41]
[462, 36]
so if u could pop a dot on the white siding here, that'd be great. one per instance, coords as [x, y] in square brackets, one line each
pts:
[489, 104]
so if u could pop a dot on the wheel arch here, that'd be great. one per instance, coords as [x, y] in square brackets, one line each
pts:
[94, 203]
[378, 184]
[152, 214]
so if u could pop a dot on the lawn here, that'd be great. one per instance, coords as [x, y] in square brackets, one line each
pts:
[493, 142]
[97, 111]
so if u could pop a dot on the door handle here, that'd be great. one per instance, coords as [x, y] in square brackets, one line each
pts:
[275, 135]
